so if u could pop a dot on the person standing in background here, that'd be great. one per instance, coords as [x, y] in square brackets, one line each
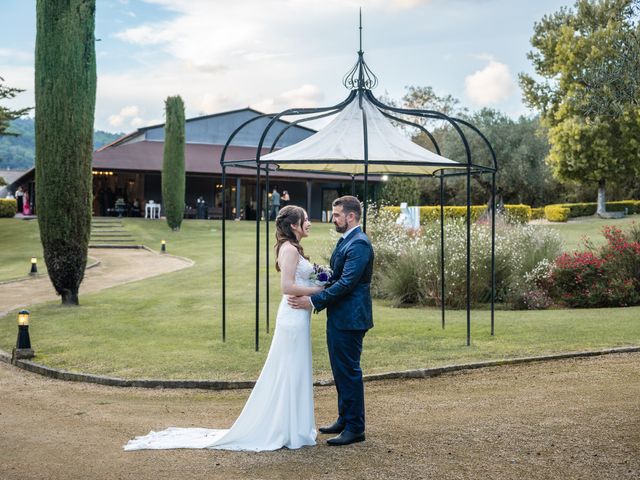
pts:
[275, 204]
[19, 199]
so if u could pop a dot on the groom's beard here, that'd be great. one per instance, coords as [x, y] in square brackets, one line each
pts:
[341, 228]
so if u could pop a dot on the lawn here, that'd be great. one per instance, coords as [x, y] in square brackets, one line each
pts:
[169, 326]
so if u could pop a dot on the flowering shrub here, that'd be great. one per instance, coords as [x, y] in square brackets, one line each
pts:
[407, 269]
[608, 277]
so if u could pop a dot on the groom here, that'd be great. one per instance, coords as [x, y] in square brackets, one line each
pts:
[348, 304]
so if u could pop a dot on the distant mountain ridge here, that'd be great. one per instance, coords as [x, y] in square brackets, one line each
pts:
[18, 153]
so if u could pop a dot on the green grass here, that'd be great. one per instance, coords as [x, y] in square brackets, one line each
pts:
[576, 229]
[169, 326]
[19, 241]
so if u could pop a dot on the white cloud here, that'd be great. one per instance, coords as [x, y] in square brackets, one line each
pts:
[305, 96]
[128, 113]
[493, 84]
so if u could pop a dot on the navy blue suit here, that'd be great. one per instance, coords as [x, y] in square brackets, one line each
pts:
[349, 316]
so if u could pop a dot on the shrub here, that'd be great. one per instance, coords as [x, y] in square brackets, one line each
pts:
[589, 208]
[608, 277]
[556, 213]
[407, 269]
[518, 213]
[432, 213]
[8, 207]
[537, 213]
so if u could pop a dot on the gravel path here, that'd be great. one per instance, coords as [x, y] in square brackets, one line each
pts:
[117, 266]
[570, 419]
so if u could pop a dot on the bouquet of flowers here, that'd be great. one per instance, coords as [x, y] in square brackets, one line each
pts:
[321, 275]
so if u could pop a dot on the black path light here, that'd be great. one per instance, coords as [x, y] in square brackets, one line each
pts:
[23, 344]
[163, 246]
[34, 266]
[359, 142]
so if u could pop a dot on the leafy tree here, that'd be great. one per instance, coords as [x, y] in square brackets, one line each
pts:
[400, 189]
[587, 143]
[65, 92]
[173, 170]
[6, 114]
[614, 83]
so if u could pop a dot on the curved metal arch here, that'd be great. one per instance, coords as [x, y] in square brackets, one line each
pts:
[482, 136]
[300, 111]
[295, 123]
[431, 113]
[413, 124]
[237, 130]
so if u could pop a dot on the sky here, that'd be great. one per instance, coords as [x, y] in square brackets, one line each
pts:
[275, 54]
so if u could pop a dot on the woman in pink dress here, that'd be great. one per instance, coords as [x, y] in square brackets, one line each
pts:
[26, 208]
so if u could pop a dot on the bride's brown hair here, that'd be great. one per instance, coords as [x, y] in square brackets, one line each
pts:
[289, 215]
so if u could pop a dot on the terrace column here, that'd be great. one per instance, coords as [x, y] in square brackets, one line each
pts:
[309, 198]
[238, 206]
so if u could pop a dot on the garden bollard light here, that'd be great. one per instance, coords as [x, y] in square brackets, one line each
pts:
[34, 266]
[23, 344]
[163, 248]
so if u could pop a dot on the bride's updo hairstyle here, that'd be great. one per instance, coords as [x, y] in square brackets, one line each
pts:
[287, 216]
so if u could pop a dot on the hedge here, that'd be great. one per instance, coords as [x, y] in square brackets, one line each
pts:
[589, 208]
[8, 207]
[556, 213]
[537, 213]
[515, 213]
[524, 213]
[518, 213]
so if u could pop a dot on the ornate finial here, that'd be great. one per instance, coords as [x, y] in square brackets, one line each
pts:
[360, 76]
[360, 30]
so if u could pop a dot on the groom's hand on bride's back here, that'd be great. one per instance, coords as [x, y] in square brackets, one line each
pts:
[300, 302]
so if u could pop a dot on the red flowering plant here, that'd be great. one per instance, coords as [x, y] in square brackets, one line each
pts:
[605, 277]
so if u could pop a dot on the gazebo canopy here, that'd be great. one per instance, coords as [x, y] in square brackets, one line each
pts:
[339, 147]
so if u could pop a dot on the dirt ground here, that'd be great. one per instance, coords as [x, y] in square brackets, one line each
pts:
[117, 266]
[570, 419]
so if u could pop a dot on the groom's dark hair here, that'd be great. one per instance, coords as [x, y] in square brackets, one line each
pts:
[349, 204]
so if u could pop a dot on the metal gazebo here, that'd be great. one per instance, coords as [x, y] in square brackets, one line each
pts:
[361, 141]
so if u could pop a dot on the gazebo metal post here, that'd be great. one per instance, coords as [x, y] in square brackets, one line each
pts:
[442, 280]
[266, 233]
[468, 254]
[365, 138]
[493, 249]
[224, 322]
[353, 185]
[222, 163]
[258, 211]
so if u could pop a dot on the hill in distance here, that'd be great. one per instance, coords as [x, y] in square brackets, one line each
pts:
[18, 152]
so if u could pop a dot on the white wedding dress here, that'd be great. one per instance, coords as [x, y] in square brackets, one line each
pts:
[279, 412]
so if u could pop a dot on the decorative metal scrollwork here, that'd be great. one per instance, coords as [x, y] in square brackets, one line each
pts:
[360, 77]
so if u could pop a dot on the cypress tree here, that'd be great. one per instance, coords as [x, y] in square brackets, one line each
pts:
[65, 93]
[173, 176]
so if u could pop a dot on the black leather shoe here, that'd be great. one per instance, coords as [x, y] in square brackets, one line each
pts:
[335, 428]
[346, 438]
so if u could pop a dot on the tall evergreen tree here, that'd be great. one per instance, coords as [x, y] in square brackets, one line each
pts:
[173, 175]
[65, 93]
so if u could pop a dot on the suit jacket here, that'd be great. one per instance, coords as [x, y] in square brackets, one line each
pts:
[348, 300]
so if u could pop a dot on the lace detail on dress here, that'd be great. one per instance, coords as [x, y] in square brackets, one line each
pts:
[303, 271]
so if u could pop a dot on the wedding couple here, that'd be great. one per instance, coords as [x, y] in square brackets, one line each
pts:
[279, 412]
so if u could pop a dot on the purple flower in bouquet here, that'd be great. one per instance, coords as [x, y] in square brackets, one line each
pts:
[321, 275]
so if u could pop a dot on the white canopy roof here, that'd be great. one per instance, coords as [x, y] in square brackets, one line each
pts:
[339, 147]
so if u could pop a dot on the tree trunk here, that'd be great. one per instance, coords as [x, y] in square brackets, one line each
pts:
[602, 206]
[65, 94]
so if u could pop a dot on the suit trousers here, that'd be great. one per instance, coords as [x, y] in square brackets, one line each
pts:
[345, 348]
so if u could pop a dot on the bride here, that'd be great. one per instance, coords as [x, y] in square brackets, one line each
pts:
[279, 412]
